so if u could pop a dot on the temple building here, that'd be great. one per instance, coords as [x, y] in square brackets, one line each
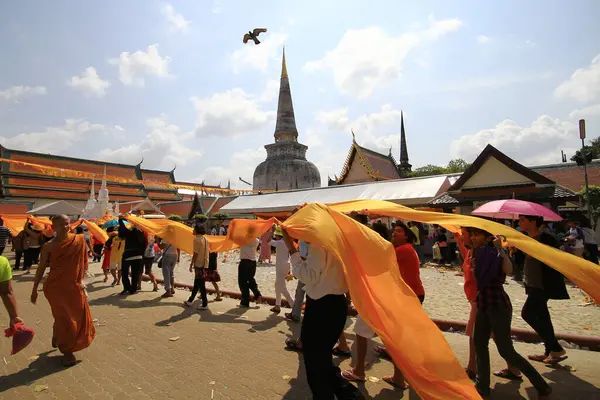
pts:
[23, 187]
[365, 165]
[286, 167]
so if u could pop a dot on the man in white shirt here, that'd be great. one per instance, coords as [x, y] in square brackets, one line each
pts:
[246, 272]
[296, 313]
[282, 270]
[324, 320]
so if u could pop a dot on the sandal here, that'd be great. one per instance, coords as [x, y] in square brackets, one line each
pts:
[508, 374]
[218, 299]
[292, 345]
[382, 351]
[350, 376]
[390, 380]
[276, 310]
[290, 317]
[538, 357]
[554, 359]
[341, 353]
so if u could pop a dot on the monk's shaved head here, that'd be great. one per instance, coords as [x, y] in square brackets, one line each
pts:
[59, 217]
[60, 224]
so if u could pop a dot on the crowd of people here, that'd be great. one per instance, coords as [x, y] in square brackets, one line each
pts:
[129, 252]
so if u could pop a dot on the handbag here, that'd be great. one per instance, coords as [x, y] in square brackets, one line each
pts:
[162, 255]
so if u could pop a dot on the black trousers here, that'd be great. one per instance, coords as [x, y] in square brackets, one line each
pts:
[18, 256]
[497, 321]
[324, 321]
[199, 285]
[31, 257]
[97, 252]
[246, 281]
[136, 267]
[535, 313]
[591, 252]
[2, 250]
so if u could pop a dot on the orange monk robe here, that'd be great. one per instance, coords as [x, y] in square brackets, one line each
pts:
[73, 326]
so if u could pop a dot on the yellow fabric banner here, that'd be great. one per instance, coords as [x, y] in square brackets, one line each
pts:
[378, 291]
[584, 274]
[94, 230]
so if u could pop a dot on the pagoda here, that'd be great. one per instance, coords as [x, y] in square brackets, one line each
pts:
[286, 166]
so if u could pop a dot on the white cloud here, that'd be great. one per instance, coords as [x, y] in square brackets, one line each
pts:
[177, 23]
[482, 39]
[217, 7]
[230, 113]
[134, 67]
[377, 131]
[54, 139]
[585, 112]
[16, 93]
[584, 84]
[163, 147]
[89, 83]
[119, 128]
[238, 166]
[539, 143]
[259, 56]
[365, 59]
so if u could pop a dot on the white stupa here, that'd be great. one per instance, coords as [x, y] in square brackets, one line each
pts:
[98, 208]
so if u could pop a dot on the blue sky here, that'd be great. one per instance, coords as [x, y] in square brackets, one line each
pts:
[174, 84]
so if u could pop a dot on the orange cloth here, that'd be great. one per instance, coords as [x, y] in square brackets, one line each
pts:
[410, 267]
[95, 231]
[73, 326]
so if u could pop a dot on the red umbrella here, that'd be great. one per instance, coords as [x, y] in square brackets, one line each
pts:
[511, 209]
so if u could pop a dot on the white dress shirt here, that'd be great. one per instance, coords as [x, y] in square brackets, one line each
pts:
[282, 257]
[321, 273]
[248, 252]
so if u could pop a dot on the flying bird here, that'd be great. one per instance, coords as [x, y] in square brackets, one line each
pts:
[253, 35]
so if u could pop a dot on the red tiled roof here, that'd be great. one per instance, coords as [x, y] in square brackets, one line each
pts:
[221, 202]
[15, 208]
[381, 164]
[127, 172]
[181, 208]
[159, 176]
[570, 175]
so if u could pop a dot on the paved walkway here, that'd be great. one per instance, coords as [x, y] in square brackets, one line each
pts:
[222, 353]
[444, 295]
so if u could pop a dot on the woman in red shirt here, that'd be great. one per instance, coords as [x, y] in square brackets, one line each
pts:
[407, 258]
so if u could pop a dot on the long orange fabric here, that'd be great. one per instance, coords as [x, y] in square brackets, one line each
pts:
[378, 291]
[582, 272]
[98, 233]
[73, 326]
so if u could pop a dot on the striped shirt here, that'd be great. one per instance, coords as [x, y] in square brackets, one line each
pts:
[4, 235]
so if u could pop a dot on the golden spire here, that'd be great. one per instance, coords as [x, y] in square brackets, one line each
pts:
[283, 65]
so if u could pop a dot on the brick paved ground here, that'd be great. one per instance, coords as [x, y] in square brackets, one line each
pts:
[226, 353]
[444, 296]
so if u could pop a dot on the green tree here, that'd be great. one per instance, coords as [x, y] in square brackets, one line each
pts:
[594, 201]
[457, 165]
[593, 147]
[175, 217]
[200, 217]
[428, 170]
[220, 216]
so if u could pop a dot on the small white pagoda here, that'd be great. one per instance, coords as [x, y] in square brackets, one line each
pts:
[98, 208]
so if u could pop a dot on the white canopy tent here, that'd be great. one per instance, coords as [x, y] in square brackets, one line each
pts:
[56, 208]
[408, 192]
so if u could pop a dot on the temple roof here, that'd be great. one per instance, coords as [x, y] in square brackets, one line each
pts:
[376, 165]
[23, 181]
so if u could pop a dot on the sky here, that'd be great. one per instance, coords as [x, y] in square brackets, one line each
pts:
[172, 83]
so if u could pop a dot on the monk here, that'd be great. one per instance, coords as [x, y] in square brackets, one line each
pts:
[67, 257]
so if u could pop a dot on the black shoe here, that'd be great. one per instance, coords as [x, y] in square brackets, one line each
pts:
[124, 292]
[244, 305]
